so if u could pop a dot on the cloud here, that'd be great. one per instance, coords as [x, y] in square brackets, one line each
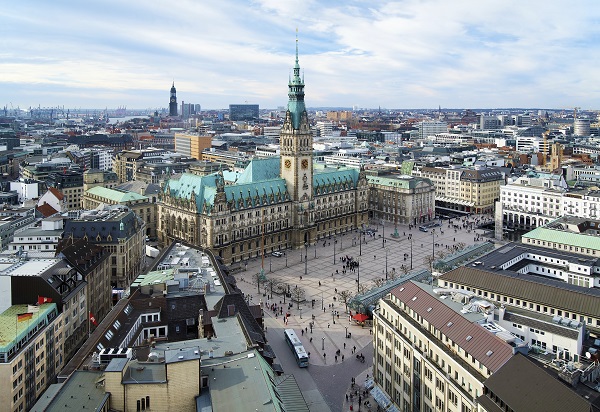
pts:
[392, 54]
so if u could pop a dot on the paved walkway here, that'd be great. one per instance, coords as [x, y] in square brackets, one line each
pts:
[321, 279]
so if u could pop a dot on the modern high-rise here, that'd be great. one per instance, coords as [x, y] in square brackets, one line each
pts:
[243, 112]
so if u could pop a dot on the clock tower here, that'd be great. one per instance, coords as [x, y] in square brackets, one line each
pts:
[173, 101]
[296, 152]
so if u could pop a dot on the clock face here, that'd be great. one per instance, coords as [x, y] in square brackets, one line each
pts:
[172, 100]
[288, 164]
[305, 164]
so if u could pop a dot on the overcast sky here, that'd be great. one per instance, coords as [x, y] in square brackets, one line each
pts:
[401, 54]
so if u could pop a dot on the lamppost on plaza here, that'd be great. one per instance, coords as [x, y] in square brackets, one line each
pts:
[358, 278]
[359, 244]
[270, 258]
[433, 243]
[341, 243]
[383, 228]
[285, 253]
[386, 267]
[333, 316]
[323, 343]
[322, 301]
[334, 242]
[411, 245]
[305, 258]
[346, 332]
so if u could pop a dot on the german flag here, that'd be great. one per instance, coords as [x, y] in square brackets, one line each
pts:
[24, 316]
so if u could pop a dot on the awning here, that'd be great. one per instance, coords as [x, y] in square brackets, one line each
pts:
[361, 317]
[383, 400]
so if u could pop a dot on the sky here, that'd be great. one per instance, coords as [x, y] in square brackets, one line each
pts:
[369, 54]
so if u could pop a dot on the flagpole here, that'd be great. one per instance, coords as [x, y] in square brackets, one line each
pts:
[89, 326]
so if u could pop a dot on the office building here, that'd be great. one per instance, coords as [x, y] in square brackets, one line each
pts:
[239, 112]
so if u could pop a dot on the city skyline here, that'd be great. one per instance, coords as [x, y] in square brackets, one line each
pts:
[390, 54]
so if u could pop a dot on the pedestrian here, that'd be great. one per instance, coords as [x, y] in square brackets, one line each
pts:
[336, 358]
[324, 355]
[302, 332]
[265, 329]
[310, 340]
[328, 326]
[342, 358]
[344, 345]
[346, 397]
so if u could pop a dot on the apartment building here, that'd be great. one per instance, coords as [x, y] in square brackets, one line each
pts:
[70, 184]
[470, 190]
[430, 353]
[192, 145]
[401, 199]
[30, 353]
[120, 232]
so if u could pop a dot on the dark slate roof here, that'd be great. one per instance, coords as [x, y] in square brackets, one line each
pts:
[241, 307]
[524, 386]
[120, 225]
[536, 289]
[80, 254]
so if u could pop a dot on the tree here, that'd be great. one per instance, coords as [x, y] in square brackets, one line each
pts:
[440, 254]
[271, 282]
[345, 296]
[362, 289]
[297, 295]
[460, 245]
[378, 282]
[258, 276]
[428, 260]
[404, 269]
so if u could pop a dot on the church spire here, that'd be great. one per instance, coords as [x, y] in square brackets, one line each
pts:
[296, 93]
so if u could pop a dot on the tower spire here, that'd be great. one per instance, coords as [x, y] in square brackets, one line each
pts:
[296, 92]
[297, 64]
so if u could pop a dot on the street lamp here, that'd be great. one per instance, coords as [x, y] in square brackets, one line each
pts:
[285, 253]
[322, 301]
[383, 228]
[386, 267]
[411, 245]
[270, 259]
[358, 278]
[334, 242]
[359, 244]
[433, 243]
[346, 332]
[305, 258]
[323, 343]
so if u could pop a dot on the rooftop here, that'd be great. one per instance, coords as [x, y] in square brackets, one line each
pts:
[79, 392]
[12, 330]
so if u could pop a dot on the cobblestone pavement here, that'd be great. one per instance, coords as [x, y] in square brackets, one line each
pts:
[318, 272]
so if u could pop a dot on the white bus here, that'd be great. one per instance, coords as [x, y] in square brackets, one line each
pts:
[296, 346]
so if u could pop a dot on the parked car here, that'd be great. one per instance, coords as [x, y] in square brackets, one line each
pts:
[277, 254]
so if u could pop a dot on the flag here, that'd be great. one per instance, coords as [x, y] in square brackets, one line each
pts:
[24, 316]
[42, 300]
[33, 308]
[93, 319]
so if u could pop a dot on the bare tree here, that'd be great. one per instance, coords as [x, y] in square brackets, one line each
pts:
[392, 275]
[259, 277]
[378, 282]
[298, 295]
[428, 260]
[345, 296]
[404, 269]
[460, 245]
[270, 283]
[362, 289]
[440, 254]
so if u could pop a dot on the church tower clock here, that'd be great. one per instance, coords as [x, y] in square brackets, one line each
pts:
[296, 151]
[173, 101]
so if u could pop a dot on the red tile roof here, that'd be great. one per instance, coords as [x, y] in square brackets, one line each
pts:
[57, 193]
[46, 210]
[481, 341]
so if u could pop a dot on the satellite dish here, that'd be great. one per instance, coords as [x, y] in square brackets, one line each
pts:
[588, 355]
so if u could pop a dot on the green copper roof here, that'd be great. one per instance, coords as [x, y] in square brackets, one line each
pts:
[333, 175]
[405, 182]
[12, 331]
[116, 195]
[261, 169]
[566, 238]
[296, 94]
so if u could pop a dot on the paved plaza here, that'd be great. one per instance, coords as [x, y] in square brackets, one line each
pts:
[321, 279]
